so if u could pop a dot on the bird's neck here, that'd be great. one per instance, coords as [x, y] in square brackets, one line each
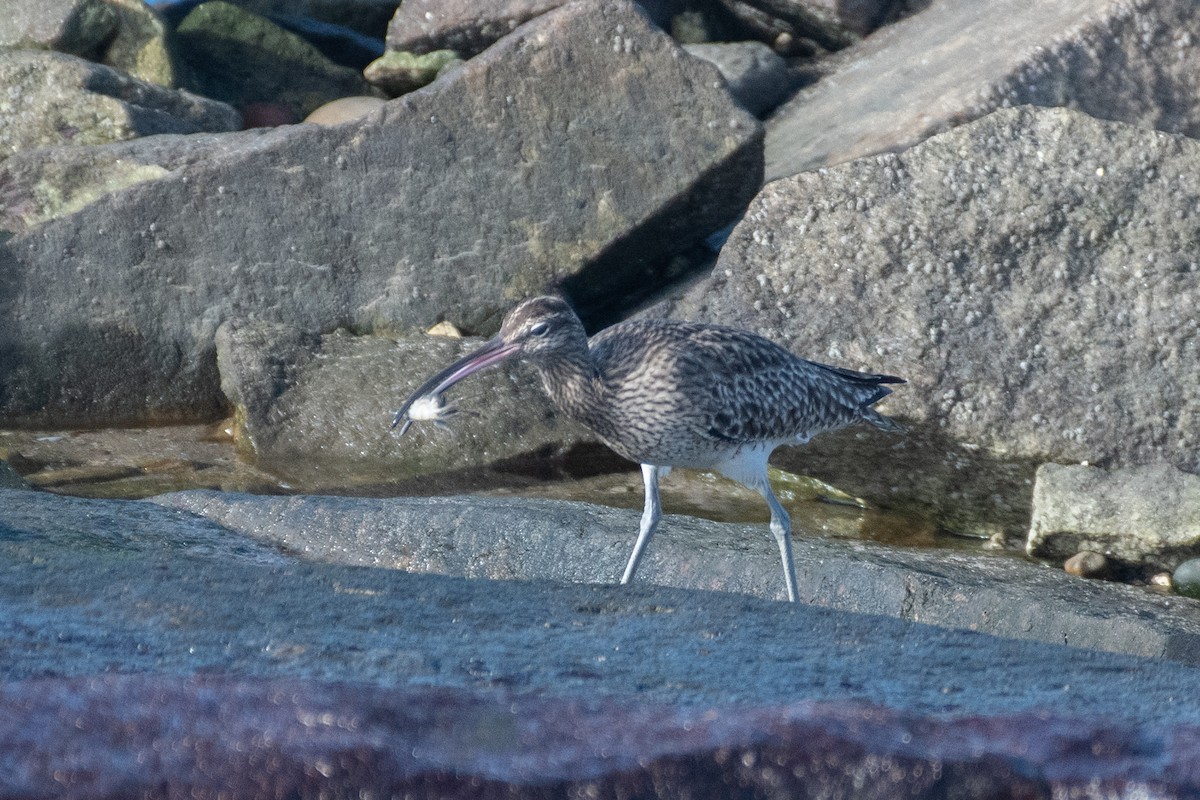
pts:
[569, 380]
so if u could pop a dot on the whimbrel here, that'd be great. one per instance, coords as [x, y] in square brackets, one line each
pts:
[674, 394]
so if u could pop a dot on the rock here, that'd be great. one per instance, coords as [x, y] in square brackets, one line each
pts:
[465, 26]
[9, 478]
[69, 26]
[134, 631]
[1029, 274]
[469, 27]
[449, 205]
[345, 109]
[1145, 517]
[758, 78]
[926, 73]
[297, 420]
[229, 736]
[139, 44]
[1087, 564]
[398, 72]
[57, 99]
[830, 23]
[242, 58]
[527, 539]
[1186, 578]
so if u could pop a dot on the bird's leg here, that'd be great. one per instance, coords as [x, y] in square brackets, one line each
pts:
[650, 517]
[781, 527]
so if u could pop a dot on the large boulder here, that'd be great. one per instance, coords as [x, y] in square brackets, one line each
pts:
[957, 60]
[1033, 275]
[469, 27]
[449, 204]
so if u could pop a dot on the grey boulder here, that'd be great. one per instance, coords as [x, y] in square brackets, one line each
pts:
[449, 204]
[1031, 274]
[69, 26]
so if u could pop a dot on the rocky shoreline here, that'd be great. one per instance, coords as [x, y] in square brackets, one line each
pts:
[1001, 207]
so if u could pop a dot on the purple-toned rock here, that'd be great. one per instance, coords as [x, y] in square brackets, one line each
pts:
[447, 204]
[227, 737]
[957, 60]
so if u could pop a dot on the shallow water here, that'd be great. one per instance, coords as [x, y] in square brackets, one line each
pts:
[142, 462]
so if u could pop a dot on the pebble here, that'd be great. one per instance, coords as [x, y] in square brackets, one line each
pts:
[1187, 578]
[1087, 564]
[344, 109]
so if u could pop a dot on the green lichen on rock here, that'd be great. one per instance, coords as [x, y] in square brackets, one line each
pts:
[399, 72]
[62, 191]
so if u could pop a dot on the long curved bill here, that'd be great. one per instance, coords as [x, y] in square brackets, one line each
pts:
[490, 353]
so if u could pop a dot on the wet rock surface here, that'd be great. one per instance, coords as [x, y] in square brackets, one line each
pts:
[1027, 273]
[957, 60]
[364, 676]
[525, 539]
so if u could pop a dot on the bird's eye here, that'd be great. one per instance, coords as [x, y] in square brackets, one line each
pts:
[540, 329]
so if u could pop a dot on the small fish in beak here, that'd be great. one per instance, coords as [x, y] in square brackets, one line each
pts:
[426, 404]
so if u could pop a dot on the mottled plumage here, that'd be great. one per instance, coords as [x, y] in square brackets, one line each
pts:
[679, 394]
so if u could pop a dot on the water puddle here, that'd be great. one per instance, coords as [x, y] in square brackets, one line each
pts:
[142, 462]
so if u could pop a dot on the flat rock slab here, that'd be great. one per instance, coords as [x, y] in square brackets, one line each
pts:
[121, 597]
[449, 204]
[239, 665]
[1031, 274]
[957, 60]
[1145, 516]
[510, 539]
[219, 737]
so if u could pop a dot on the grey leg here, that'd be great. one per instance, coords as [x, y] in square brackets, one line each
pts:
[781, 527]
[650, 517]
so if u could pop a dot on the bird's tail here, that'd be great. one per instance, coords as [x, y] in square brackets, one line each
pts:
[873, 390]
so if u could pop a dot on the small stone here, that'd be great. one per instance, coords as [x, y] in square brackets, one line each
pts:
[1186, 578]
[345, 109]
[1087, 564]
[445, 328]
[1161, 580]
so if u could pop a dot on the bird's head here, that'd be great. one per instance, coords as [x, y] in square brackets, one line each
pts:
[538, 330]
